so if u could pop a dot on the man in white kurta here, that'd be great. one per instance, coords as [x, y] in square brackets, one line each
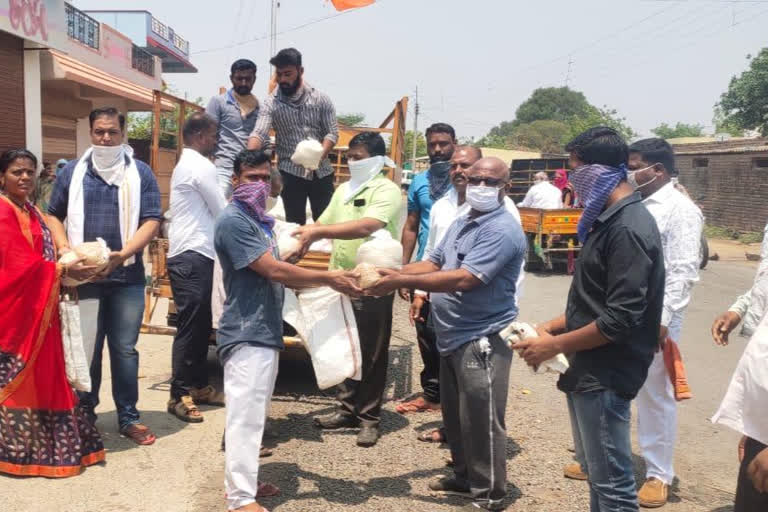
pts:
[543, 194]
[680, 223]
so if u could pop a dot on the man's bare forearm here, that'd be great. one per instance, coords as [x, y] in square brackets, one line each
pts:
[146, 232]
[441, 281]
[351, 230]
[585, 338]
[554, 326]
[420, 267]
[328, 145]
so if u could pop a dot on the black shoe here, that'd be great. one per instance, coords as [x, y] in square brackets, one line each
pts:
[448, 485]
[368, 436]
[336, 420]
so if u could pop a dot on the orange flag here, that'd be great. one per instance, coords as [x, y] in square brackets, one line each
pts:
[343, 5]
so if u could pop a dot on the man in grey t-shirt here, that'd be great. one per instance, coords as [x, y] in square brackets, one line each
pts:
[250, 333]
[236, 112]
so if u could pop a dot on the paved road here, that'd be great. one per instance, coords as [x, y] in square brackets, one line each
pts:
[325, 471]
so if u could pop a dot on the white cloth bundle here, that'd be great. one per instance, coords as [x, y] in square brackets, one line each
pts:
[96, 254]
[75, 360]
[308, 154]
[518, 331]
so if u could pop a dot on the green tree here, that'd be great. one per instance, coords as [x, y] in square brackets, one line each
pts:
[139, 124]
[745, 104]
[421, 145]
[353, 119]
[540, 119]
[724, 125]
[666, 131]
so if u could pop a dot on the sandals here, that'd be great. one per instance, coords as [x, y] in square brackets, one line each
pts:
[267, 490]
[432, 436]
[419, 404]
[139, 434]
[185, 409]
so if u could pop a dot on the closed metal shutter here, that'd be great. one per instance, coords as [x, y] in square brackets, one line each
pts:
[59, 138]
[12, 126]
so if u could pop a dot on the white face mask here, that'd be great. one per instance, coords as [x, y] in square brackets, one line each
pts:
[106, 157]
[363, 171]
[632, 178]
[482, 198]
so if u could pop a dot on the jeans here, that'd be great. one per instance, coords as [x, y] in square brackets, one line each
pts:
[430, 375]
[191, 276]
[602, 433]
[297, 190]
[113, 311]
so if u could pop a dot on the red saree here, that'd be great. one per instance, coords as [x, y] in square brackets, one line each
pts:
[42, 430]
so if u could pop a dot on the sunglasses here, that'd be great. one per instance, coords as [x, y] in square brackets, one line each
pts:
[491, 182]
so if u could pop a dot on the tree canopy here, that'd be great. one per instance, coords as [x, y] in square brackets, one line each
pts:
[549, 119]
[351, 119]
[744, 106]
[666, 131]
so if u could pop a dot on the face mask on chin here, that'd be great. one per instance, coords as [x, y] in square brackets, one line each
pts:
[632, 178]
[482, 197]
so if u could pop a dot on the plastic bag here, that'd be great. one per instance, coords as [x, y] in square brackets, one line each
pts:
[75, 361]
[331, 336]
[517, 331]
[96, 254]
[382, 251]
[287, 245]
[308, 154]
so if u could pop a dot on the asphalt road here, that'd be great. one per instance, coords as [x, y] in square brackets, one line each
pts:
[318, 471]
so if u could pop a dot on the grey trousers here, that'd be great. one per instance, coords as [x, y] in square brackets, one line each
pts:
[474, 382]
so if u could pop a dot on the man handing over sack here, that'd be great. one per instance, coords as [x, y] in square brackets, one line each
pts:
[366, 204]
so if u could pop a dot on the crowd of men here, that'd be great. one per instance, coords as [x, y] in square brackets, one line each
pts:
[463, 257]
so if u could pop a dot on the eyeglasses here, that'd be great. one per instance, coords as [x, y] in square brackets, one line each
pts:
[491, 182]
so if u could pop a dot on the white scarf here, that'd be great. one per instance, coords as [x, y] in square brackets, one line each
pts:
[362, 172]
[128, 182]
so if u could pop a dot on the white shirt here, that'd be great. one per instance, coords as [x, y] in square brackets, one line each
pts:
[446, 210]
[752, 305]
[196, 201]
[543, 195]
[680, 223]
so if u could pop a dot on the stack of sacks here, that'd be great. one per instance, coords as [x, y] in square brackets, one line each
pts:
[518, 331]
[381, 251]
[94, 254]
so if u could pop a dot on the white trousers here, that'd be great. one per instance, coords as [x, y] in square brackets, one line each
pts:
[657, 417]
[249, 380]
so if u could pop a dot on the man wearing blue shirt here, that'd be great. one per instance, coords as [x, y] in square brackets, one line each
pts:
[425, 189]
[110, 195]
[472, 276]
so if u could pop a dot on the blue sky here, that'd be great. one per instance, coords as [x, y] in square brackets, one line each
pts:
[475, 61]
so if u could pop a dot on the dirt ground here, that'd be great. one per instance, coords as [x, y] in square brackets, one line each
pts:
[183, 471]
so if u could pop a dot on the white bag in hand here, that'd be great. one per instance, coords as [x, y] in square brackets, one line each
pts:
[518, 331]
[332, 339]
[95, 254]
[381, 251]
[75, 362]
[308, 154]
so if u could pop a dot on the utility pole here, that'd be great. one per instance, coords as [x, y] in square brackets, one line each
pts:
[568, 74]
[415, 129]
[273, 28]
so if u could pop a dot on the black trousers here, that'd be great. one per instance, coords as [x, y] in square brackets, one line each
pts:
[374, 325]
[748, 499]
[430, 375]
[474, 382]
[297, 190]
[191, 277]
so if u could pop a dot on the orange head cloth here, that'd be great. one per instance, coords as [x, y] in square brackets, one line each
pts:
[343, 5]
[674, 363]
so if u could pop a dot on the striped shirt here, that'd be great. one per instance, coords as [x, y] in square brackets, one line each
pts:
[309, 113]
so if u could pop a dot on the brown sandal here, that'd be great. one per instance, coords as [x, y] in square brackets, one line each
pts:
[419, 404]
[185, 409]
[139, 434]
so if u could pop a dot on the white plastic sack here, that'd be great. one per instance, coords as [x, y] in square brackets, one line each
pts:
[287, 245]
[331, 336]
[96, 254]
[381, 251]
[518, 331]
[307, 154]
[218, 293]
[75, 360]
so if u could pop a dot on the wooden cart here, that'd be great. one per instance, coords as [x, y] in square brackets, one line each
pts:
[551, 237]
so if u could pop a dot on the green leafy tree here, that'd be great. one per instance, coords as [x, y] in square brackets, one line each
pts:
[543, 135]
[725, 125]
[421, 145]
[601, 117]
[745, 104]
[553, 104]
[353, 119]
[666, 131]
[139, 124]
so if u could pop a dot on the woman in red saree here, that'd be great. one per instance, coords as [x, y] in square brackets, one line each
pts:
[42, 430]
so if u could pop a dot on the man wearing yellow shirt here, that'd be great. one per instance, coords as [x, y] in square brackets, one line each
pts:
[367, 203]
